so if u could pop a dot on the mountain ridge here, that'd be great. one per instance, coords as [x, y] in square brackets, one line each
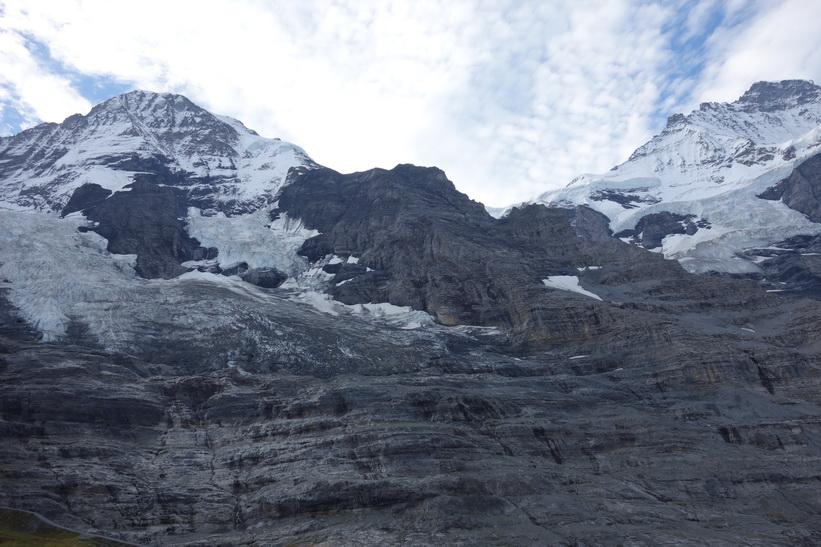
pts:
[231, 168]
[372, 358]
[711, 166]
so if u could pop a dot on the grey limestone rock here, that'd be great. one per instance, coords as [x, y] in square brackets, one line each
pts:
[801, 190]
[146, 221]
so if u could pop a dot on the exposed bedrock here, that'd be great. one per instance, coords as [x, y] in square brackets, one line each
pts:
[144, 220]
[430, 247]
[800, 191]
[474, 446]
[651, 229]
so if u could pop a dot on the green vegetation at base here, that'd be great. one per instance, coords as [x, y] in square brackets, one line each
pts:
[24, 529]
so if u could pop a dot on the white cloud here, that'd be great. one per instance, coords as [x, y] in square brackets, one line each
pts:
[510, 97]
[573, 92]
[29, 89]
[781, 42]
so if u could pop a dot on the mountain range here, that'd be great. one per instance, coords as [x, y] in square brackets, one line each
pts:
[208, 338]
[726, 188]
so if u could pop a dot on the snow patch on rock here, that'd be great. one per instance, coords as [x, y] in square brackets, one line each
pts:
[402, 317]
[568, 283]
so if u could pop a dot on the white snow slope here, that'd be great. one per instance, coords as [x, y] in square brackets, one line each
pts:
[568, 283]
[712, 163]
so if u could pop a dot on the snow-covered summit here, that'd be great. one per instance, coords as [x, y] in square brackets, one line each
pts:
[138, 132]
[712, 164]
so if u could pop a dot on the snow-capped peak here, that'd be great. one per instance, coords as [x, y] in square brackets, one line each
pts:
[227, 166]
[711, 164]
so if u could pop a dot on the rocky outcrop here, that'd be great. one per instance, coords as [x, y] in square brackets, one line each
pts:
[791, 267]
[771, 96]
[85, 197]
[651, 229]
[589, 224]
[145, 221]
[801, 190]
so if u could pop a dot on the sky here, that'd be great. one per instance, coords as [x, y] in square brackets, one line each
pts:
[509, 97]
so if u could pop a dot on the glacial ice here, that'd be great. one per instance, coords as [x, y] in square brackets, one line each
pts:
[57, 272]
[54, 274]
[253, 239]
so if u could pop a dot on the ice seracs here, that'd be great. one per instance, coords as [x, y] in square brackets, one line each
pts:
[253, 239]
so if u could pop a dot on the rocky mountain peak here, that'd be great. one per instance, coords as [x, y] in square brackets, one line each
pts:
[218, 162]
[768, 96]
[147, 104]
[761, 97]
[167, 117]
[702, 179]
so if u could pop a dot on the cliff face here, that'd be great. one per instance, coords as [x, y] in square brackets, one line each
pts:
[371, 358]
[439, 436]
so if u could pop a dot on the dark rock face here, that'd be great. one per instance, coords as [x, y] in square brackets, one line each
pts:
[429, 246]
[769, 96]
[85, 197]
[800, 191]
[791, 267]
[624, 198]
[400, 223]
[268, 278]
[589, 224]
[144, 221]
[714, 440]
[651, 229]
